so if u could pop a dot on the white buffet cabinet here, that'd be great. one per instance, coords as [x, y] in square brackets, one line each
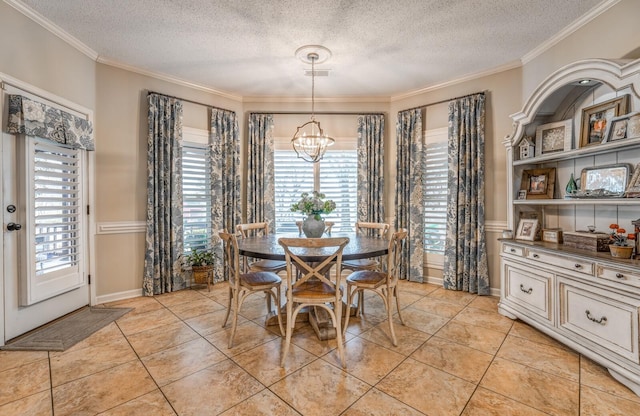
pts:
[585, 299]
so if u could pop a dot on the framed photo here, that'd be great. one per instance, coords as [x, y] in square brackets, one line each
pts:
[538, 183]
[554, 137]
[616, 129]
[596, 118]
[527, 229]
[552, 235]
[522, 194]
[633, 190]
[605, 181]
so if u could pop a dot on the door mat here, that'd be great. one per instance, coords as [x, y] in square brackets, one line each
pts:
[67, 330]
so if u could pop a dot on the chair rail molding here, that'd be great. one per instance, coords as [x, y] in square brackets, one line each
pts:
[121, 227]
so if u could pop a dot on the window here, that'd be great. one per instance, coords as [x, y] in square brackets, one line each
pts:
[335, 176]
[196, 194]
[435, 191]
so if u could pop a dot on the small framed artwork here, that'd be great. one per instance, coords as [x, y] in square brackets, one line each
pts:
[538, 183]
[554, 137]
[552, 235]
[633, 189]
[596, 118]
[522, 194]
[616, 129]
[527, 229]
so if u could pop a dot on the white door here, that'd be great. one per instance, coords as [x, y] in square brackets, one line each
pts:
[45, 248]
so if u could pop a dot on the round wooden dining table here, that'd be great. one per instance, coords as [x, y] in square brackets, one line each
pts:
[359, 247]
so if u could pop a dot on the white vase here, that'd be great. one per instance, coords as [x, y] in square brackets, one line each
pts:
[313, 228]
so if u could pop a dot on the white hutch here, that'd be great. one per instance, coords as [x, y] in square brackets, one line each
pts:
[585, 299]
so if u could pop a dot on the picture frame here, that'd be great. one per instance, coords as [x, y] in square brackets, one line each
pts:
[527, 229]
[596, 118]
[552, 235]
[617, 128]
[538, 183]
[522, 194]
[605, 181]
[633, 189]
[554, 137]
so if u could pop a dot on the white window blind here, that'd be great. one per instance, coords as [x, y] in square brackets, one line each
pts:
[339, 182]
[292, 176]
[196, 194]
[435, 197]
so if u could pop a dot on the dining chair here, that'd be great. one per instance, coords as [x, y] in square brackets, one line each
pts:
[312, 285]
[382, 282]
[256, 229]
[242, 285]
[376, 229]
[327, 227]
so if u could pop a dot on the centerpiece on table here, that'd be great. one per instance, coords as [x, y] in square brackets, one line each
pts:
[620, 245]
[313, 205]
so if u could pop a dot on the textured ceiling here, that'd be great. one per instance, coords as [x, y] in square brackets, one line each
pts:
[381, 48]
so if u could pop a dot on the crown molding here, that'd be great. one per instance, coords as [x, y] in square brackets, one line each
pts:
[568, 30]
[52, 27]
[333, 100]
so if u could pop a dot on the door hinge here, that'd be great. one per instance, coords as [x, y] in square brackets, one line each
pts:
[88, 210]
[88, 279]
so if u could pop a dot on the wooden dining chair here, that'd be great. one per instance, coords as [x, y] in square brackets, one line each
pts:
[242, 285]
[256, 229]
[382, 282]
[328, 225]
[312, 286]
[375, 229]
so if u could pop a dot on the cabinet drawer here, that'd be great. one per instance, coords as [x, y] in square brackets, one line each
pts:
[617, 274]
[529, 290]
[577, 265]
[601, 319]
[514, 250]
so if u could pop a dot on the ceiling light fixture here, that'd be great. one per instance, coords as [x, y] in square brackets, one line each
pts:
[584, 81]
[310, 142]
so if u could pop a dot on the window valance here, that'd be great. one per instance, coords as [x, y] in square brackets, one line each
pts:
[34, 118]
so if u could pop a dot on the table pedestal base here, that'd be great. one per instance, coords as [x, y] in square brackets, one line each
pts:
[317, 317]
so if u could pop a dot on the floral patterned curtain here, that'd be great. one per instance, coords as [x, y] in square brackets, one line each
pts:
[260, 180]
[164, 240]
[465, 263]
[409, 205]
[225, 177]
[371, 168]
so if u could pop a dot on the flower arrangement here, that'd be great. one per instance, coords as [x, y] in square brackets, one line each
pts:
[618, 235]
[313, 205]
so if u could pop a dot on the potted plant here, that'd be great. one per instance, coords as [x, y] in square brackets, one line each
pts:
[201, 262]
[312, 206]
[620, 246]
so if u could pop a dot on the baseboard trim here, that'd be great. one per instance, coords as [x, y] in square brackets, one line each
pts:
[438, 281]
[112, 297]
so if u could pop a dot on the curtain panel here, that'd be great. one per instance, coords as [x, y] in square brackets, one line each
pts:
[164, 240]
[371, 168]
[408, 199]
[225, 179]
[37, 119]
[465, 263]
[260, 176]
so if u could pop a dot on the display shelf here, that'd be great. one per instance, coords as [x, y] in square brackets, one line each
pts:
[578, 201]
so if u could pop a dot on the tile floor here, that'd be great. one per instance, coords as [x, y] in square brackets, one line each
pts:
[456, 356]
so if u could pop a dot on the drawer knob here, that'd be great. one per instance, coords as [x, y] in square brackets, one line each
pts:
[577, 265]
[535, 256]
[619, 275]
[513, 250]
[601, 321]
[527, 291]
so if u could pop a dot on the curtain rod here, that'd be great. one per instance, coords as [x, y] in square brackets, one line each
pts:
[442, 101]
[326, 113]
[189, 101]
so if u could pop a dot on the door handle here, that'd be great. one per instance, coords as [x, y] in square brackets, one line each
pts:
[12, 226]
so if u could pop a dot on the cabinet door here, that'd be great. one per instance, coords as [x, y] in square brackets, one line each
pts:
[529, 289]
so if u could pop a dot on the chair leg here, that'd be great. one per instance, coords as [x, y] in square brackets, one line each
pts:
[348, 311]
[237, 303]
[360, 309]
[336, 322]
[388, 302]
[228, 307]
[287, 341]
[395, 293]
[278, 303]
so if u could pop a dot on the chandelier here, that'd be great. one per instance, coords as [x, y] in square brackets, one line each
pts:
[310, 142]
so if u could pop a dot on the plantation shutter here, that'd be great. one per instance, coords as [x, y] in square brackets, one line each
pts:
[196, 194]
[435, 197]
[339, 182]
[293, 176]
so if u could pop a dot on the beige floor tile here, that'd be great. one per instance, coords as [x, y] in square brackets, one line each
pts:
[409, 339]
[487, 403]
[364, 322]
[196, 307]
[38, 404]
[130, 324]
[484, 319]
[102, 391]
[407, 299]
[475, 337]
[486, 303]
[320, 389]
[423, 321]
[255, 306]
[377, 403]
[263, 361]
[13, 359]
[107, 334]
[152, 403]
[455, 296]
[77, 363]
[438, 307]
[305, 337]
[181, 296]
[594, 375]
[420, 386]
[248, 335]
[453, 358]
[158, 339]
[523, 330]
[421, 289]
[210, 323]
[264, 403]
[535, 388]
[212, 390]
[596, 402]
[553, 360]
[366, 360]
[142, 304]
[182, 360]
[26, 380]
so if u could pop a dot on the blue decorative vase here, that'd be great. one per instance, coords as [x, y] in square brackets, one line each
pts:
[313, 228]
[571, 187]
